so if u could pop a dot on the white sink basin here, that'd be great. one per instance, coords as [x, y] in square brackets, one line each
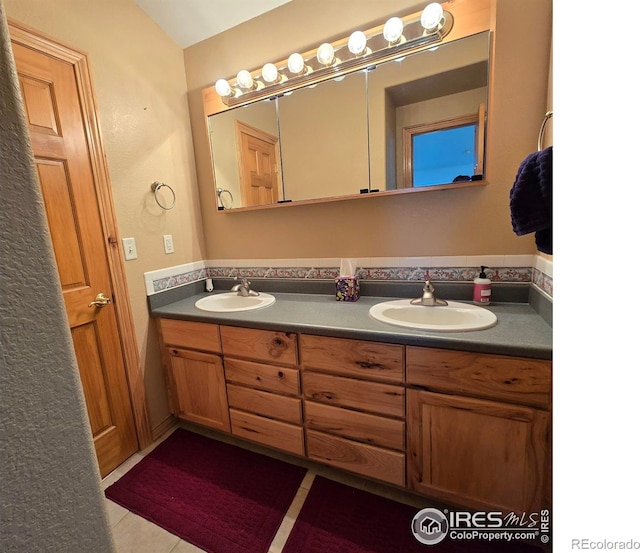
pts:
[454, 317]
[230, 302]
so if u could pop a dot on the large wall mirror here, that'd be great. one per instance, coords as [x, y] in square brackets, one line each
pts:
[245, 148]
[324, 139]
[427, 116]
[416, 122]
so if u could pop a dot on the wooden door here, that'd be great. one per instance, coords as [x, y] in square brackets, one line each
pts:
[482, 454]
[258, 165]
[60, 145]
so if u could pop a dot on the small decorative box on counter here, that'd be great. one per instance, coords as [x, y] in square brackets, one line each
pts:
[347, 288]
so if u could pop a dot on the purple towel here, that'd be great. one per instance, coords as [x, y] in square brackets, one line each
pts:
[530, 198]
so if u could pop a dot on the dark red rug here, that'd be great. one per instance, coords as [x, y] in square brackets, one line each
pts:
[219, 497]
[339, 519]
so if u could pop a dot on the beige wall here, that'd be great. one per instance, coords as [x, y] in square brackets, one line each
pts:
[140, 87]
[393, 226]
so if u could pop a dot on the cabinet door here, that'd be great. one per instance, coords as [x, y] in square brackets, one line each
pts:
[269, 432]
[190, 334]
[383, 399]
[356, 358]
[272, 378]
[482, 454]
[199, 385]
[365, 459]
[260, 345]
[496, 377]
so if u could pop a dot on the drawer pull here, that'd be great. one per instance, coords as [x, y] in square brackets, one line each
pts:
[249, 429]
[369, 365]
[278, 347]
[280, 374]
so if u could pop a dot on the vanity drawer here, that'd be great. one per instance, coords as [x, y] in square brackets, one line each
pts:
[261, 345]
[375, 397]
[265, 403]
[357, 358]
[190, 334]
[267, 377]
[368, 460]
[278, 434]
[512, 379]
[362, 427]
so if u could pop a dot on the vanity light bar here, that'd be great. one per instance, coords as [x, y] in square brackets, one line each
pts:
[360, 50]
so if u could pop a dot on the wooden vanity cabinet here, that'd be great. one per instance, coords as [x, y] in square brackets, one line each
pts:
[478, 428]
[354, 401]
[195, 374]
[471, 429]
[263, 386]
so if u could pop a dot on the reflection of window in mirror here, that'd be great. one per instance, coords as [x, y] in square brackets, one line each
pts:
[443, 152]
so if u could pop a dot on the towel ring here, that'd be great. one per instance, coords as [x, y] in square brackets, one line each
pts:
[155, 186]
[547, 116]
[220, 192]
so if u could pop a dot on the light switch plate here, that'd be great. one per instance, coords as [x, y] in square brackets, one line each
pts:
[129, 246]
[168, 243]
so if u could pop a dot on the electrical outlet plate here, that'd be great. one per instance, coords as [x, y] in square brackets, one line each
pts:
[168, 243]
[129, 246]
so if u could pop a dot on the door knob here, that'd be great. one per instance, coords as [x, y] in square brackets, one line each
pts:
[100, 301]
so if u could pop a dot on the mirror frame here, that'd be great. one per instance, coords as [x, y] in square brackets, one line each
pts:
[469, 17]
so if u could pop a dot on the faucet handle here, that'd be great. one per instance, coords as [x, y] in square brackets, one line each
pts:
[243, 288]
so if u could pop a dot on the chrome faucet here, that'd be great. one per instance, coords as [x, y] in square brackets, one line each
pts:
[428, 296]
[243, 288]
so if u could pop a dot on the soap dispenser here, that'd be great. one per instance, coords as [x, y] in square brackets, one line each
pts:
[482, 288]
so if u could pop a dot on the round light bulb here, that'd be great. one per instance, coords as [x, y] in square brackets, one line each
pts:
[326, 54]
[357, 43]
[223, 88]
[432, 16]
[295, 63]
[244, 79]
[270, 73]
[392, 30]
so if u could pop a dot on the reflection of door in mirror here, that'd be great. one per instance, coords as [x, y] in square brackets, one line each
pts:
[443, 152]
[257, 165]
[260, 116]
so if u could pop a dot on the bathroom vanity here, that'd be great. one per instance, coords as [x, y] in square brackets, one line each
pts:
[460, 417]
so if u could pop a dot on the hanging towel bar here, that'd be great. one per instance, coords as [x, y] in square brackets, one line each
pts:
[155, 187]
[547, 116]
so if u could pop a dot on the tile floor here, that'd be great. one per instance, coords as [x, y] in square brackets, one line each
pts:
[133, 534]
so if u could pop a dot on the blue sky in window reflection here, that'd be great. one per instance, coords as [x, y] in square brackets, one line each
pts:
[441, 156]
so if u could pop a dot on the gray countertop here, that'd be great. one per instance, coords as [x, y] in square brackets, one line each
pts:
[520, 330]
